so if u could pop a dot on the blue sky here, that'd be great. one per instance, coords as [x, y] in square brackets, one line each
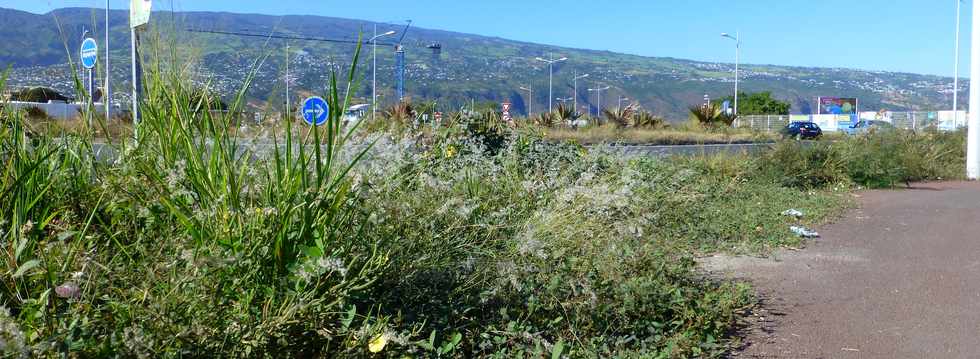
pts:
[891, 35]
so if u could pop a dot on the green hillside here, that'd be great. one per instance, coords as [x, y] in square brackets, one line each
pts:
[470, 67]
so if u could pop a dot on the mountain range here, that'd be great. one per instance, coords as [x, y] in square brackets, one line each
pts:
[470, 68]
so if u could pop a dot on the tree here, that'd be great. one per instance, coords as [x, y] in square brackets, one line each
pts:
[759, 103]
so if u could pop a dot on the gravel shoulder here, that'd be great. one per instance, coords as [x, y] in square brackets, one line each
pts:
[899, 277]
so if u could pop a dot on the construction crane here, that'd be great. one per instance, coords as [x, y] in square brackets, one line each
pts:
[436, 48]
[400, 64]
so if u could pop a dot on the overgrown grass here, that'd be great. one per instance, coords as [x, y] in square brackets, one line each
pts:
[875, 160]
[468, 240]
[668, 136]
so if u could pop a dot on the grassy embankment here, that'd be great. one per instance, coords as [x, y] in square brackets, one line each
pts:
[469, 240]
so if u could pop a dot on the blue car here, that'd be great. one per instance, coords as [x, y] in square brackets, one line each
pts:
[865, 126]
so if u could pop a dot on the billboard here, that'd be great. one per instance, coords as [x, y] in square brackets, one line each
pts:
[836, 106]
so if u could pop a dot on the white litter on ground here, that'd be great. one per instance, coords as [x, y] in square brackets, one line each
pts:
[804, 232]
[793, 213]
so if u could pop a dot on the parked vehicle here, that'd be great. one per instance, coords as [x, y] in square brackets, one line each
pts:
[802, 130]
[865, 126]
[355, 114]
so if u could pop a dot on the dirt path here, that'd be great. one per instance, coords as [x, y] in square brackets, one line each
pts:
[897, 278]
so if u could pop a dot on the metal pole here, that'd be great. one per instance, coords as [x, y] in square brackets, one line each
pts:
[107, 96]
[738, 46]
[137, 77]
[91, 96]
[529, 99]
[374, 76]
[575, 94]
[956, 69]
[598, 111]
[973, 136]
[551, 74]
[289, 111]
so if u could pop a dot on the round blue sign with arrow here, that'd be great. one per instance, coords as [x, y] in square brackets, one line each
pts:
[315, 111]
[89, 53]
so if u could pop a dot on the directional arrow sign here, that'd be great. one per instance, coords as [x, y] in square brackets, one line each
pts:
[89, 53]
[315, 111]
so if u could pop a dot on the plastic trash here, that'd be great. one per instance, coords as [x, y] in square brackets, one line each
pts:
[793, 213]
[804, 232]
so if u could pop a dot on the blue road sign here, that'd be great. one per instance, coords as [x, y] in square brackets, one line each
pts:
[315, 111]
[89, 53]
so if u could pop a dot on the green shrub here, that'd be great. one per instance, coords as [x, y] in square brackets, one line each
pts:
[875, 160]
[804, 165]
[887, 158]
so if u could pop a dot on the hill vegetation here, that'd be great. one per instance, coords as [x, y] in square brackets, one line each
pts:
[470, 67]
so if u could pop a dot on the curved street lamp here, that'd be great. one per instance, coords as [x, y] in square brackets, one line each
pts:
[551, 73]
[738, 46]
[598, 90]
[374, 70]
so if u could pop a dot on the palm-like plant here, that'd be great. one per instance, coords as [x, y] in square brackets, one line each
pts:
[711, 115]
[622, 117]
[566, 113]
[400, 112]
[645, 119]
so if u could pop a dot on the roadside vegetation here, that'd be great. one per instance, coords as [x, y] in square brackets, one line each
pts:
[466, 238]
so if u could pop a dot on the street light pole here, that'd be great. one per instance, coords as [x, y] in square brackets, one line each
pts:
[973, 131]
[551, 72]
[619, 106]
[575, 81]
[529, 98]
[738, 46]
[374, 72]
[598, 90]
[956, 69]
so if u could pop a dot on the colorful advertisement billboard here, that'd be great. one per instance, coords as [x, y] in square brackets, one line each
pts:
[837, 106]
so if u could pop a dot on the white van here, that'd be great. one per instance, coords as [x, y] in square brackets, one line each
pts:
[355, 114]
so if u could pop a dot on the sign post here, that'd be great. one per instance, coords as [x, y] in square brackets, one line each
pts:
[89, 56]
[506, 115]
[139, 16]
[315, 111]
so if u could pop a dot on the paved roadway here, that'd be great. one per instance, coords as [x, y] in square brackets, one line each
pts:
[897, 278]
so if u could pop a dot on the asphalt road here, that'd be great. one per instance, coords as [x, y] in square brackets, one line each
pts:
[897, 278]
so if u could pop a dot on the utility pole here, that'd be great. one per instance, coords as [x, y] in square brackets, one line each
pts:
[530, 98]
[551, 61]
[973, 136]
[575, 81]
